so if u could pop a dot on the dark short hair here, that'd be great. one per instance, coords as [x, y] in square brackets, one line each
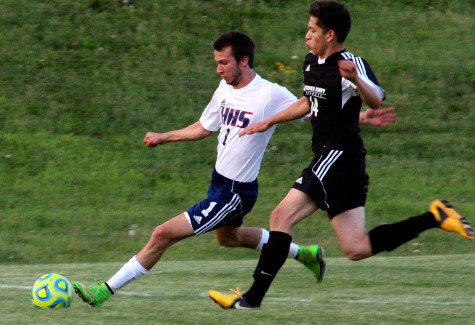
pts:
[241, 45]
[332, 15]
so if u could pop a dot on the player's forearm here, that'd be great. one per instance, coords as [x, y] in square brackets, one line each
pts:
[190, 133]
[295, 111]
[368, 94]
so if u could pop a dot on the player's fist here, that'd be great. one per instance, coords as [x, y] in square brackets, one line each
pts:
[153, 139]
[347, 69]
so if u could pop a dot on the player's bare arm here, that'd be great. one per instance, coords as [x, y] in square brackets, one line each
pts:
[378, 117]
[193, 132]
[367, 93]
[295, 111]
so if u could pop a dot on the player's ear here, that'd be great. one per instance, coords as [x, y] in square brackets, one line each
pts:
[244, 61]
[331, 35]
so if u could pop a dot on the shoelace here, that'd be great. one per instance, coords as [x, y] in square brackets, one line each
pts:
[237, 291]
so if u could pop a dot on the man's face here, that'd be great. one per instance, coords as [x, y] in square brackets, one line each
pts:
[316, 38]
[228, 68]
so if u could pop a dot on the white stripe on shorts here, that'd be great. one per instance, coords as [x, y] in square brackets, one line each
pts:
[327, 163]
[231, 206]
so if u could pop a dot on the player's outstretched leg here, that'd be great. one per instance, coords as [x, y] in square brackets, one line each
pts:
[312, 258]
[94, 295]
[233, 300]
[450, 220]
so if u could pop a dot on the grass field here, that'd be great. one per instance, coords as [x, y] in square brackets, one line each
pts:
[382, 290]
[82, 81]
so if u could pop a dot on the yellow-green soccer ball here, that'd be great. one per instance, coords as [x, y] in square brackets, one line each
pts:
[52, 291]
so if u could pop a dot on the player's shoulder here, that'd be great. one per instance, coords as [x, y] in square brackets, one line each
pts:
[362, 65]
[273, 89]
[264, 83]
[346, 55]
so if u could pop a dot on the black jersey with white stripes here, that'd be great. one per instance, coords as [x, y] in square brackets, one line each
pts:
[334, 101]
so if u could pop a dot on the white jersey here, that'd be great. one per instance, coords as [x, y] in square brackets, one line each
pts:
[229, 111]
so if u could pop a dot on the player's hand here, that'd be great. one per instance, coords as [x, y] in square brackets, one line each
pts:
[380, 117]
[347, 70]
[153, 139]
[255, 128]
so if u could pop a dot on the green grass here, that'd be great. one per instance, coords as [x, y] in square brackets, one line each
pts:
[382, 290]
[81, 82]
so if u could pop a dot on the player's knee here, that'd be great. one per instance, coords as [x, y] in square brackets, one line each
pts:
[356, 252]
[160, 235]
[354, 255]
[276, 217]
[279, 220]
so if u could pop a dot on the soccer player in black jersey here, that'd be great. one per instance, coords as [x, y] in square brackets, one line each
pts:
[336, 83]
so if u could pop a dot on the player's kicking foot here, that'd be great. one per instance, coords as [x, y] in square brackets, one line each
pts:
[312, 258]
[450, 220]
[233, 300]
[94, 295]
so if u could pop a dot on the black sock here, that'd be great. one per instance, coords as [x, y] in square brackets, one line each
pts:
[389, 237]
[273, 256]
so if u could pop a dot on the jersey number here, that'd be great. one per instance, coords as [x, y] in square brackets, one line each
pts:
[226, 136]
[314, 106]
[207, 211]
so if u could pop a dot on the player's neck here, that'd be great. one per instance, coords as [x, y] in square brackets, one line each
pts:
[247, 76]
[332, 49]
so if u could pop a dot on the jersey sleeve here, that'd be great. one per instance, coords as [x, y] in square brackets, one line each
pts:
[281, 98]
[211, 118]
[367, 75]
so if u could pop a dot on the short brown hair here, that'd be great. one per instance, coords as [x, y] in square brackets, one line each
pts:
[241, 45]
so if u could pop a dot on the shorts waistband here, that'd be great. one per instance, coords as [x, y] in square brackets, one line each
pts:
[236, 184]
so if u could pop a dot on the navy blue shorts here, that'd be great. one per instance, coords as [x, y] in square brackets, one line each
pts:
[227, 203]
[336, 180]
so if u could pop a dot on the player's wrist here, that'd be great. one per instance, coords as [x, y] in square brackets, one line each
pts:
[364, 117]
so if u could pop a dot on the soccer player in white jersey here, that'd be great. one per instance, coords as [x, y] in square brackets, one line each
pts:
[242, 98]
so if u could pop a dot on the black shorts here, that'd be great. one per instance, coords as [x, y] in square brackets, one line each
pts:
[336, 180]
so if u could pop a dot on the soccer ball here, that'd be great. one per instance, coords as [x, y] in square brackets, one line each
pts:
[52, 291]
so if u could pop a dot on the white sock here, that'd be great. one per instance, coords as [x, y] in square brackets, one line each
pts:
[264, 239]
[131, 271]
[293, 250]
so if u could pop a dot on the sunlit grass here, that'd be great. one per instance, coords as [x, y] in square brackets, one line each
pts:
[381, 290]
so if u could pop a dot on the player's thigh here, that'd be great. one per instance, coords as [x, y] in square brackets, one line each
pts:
[176, 228]
[349, 227]
[295, 207]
